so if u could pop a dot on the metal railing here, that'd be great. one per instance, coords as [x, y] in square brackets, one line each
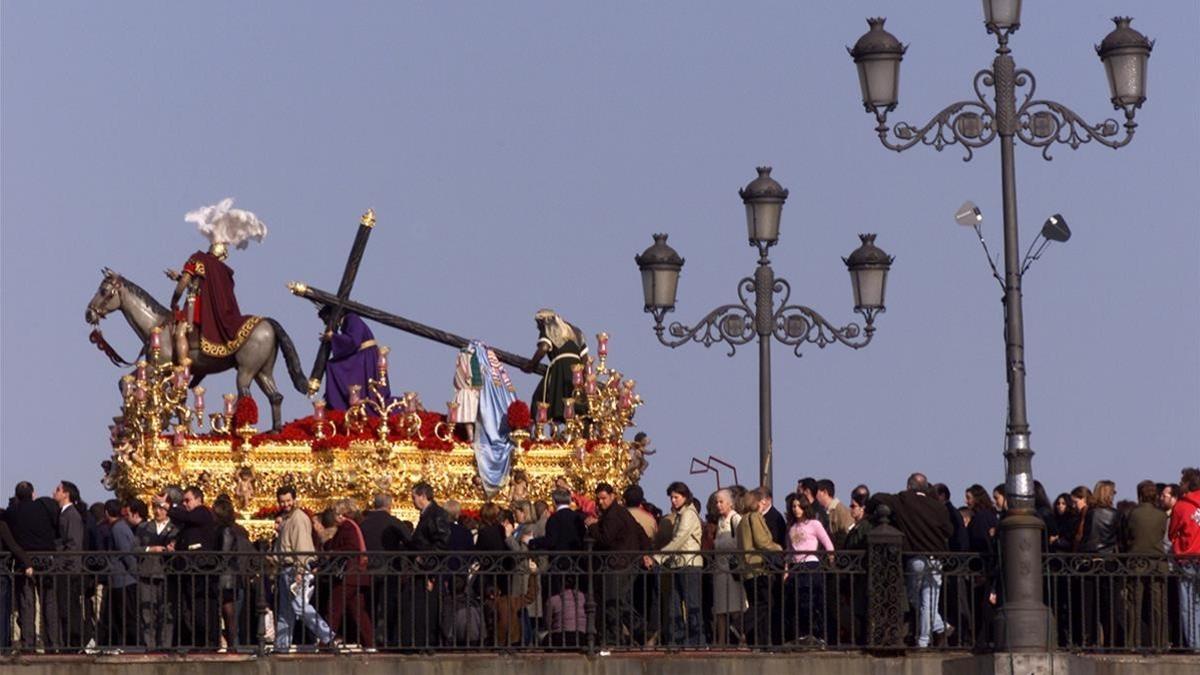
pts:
[880, 599]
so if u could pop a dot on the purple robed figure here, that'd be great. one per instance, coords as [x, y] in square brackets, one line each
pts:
[353, 359]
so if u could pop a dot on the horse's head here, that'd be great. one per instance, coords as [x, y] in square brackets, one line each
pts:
[106, 299]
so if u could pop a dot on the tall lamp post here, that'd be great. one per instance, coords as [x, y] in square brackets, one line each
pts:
[1023, 621]
[757, 312]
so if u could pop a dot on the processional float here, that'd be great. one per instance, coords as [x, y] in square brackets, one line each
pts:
[167, 435]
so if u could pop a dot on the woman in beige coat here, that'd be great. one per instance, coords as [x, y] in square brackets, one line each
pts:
[681, 557]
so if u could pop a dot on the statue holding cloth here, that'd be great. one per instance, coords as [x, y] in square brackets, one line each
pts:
[565, 345]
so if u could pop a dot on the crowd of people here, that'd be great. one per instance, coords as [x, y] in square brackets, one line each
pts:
[609, 568]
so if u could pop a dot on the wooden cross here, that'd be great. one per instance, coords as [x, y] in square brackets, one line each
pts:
[365, 226]
[341, 303]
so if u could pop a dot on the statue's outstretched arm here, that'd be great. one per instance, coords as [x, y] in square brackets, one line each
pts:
[180, 286]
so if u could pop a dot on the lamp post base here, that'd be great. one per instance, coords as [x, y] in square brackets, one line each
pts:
[1023, 628]
[1023, 622]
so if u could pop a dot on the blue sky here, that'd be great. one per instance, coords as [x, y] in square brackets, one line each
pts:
[519, 154]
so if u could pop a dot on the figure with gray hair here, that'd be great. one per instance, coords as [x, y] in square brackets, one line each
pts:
[729, 597]
[381, 533]
[565, 345]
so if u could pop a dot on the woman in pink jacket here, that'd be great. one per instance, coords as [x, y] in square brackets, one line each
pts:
[804, 582]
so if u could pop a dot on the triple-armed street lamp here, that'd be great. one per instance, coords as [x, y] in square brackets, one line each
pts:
[1023, 621]
[757, 313]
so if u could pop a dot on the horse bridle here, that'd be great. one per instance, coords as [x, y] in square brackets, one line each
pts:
[113, 282]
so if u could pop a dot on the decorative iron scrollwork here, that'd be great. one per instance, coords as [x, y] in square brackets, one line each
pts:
[793, 325]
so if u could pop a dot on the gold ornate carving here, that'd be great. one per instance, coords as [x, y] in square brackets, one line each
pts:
[222, 350]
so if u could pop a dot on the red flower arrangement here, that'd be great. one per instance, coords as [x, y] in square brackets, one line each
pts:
[270, 513]
[305, 430]
[246, 412]
[519, 416]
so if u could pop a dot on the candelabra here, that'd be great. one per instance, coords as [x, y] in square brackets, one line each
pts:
[601, 406]
[377, 402]
[154, 395]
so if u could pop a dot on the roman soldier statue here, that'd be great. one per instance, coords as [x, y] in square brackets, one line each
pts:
[213, 323]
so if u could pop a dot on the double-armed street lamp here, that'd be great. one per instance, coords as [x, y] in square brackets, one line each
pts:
[757, 312]
[1014, 113]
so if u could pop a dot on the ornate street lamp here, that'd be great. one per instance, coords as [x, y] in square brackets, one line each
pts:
[878, 54]
[764, 198]
[1124, 53]
[1040, 123]
[868, 266]
[758, 313]
[1002, 15]
[660, 266]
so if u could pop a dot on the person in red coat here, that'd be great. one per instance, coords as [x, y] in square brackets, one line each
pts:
[348, 596]
[1184, 532]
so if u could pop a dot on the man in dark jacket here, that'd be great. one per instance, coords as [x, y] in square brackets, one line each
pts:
[34, 525]
[419, 598]
[926, 528]
[615, 531]
[565, 529]
[432, 532]
[381, 532]
[1142, 534]
[775, 520]
[17, 562]
[198, 596]
[67, 630]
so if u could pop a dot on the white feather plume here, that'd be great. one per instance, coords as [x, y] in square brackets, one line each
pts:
[223, 224]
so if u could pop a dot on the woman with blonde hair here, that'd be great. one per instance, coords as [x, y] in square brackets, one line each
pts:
[754, 539]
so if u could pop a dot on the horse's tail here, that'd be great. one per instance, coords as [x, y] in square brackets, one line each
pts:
[299, 381]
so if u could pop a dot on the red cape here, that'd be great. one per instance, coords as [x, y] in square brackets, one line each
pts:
[223, 328]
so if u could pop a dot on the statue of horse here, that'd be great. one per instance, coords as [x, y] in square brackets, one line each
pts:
[254, 360]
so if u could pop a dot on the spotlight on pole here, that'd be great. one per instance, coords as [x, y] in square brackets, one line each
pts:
[1054, 229]
[968, 215]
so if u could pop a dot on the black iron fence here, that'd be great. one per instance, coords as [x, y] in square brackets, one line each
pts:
[877, 599]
